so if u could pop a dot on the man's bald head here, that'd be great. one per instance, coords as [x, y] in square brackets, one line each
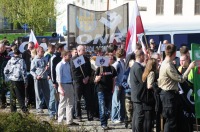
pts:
[81, 50]
[165, 42]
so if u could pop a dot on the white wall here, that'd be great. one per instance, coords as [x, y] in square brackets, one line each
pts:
[168, 16]
[148, 17]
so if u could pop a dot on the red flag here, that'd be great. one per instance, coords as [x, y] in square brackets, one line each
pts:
[135, 28]
[32, 38]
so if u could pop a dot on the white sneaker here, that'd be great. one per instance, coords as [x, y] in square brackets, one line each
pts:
[116, 121]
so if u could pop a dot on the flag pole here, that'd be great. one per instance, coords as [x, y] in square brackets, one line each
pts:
[145, 38]
[108, 3]
[82, 71]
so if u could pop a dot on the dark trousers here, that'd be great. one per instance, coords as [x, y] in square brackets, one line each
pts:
[95, 102]
[30, 90]
[169, 111]
[138, 117]
[3, 90]
[85, 91]
[17, 91]
[148, 121]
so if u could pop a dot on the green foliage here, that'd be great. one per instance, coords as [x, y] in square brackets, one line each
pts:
[38, 14]
[12, 36]
[16, 122]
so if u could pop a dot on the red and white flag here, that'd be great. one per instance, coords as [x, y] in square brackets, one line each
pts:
[135, 28]
[32, 38]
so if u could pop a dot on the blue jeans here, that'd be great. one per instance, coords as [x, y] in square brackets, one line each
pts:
[118, 105]
[104, 107]
[52, 100]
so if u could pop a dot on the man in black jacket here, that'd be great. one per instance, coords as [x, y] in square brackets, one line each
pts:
[136, 86]
[3, 61]
[81, 82]
[54, 60]
[30, 88]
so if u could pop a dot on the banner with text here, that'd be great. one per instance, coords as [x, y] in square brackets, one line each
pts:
[196, 73]
[96, 28]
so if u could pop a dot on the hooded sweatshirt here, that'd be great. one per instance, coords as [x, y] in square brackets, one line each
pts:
[15, 69]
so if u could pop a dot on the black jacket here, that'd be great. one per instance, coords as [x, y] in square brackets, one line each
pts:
[27, 58]
[3, 61]
[136, 80]
[76, 72]
[55, 59]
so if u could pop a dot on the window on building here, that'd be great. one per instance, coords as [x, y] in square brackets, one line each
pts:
[197, 7]
[186, 38]
[159, 7]
[178, 5]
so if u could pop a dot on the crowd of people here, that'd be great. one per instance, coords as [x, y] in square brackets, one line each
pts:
[135, 88]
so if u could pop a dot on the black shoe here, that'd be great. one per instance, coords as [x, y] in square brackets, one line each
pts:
[79, 119]
[40, 112]
[73, 124]
[25, 111]
[96, 119]
[3, 106]
[90, 119]
[126, 125]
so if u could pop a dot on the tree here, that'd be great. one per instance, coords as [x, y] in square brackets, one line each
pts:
[36, 13]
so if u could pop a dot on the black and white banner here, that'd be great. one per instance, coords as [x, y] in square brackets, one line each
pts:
[96, 28]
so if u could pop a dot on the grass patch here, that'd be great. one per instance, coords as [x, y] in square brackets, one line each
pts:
[12, 36]
[16, 122]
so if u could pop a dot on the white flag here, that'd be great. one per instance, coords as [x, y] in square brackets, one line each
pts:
[79, 61]
[102, 61]
[159, 48]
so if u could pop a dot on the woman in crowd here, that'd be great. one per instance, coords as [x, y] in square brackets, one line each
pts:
[149, 77]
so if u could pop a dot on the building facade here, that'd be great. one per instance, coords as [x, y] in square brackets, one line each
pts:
[152, 12]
